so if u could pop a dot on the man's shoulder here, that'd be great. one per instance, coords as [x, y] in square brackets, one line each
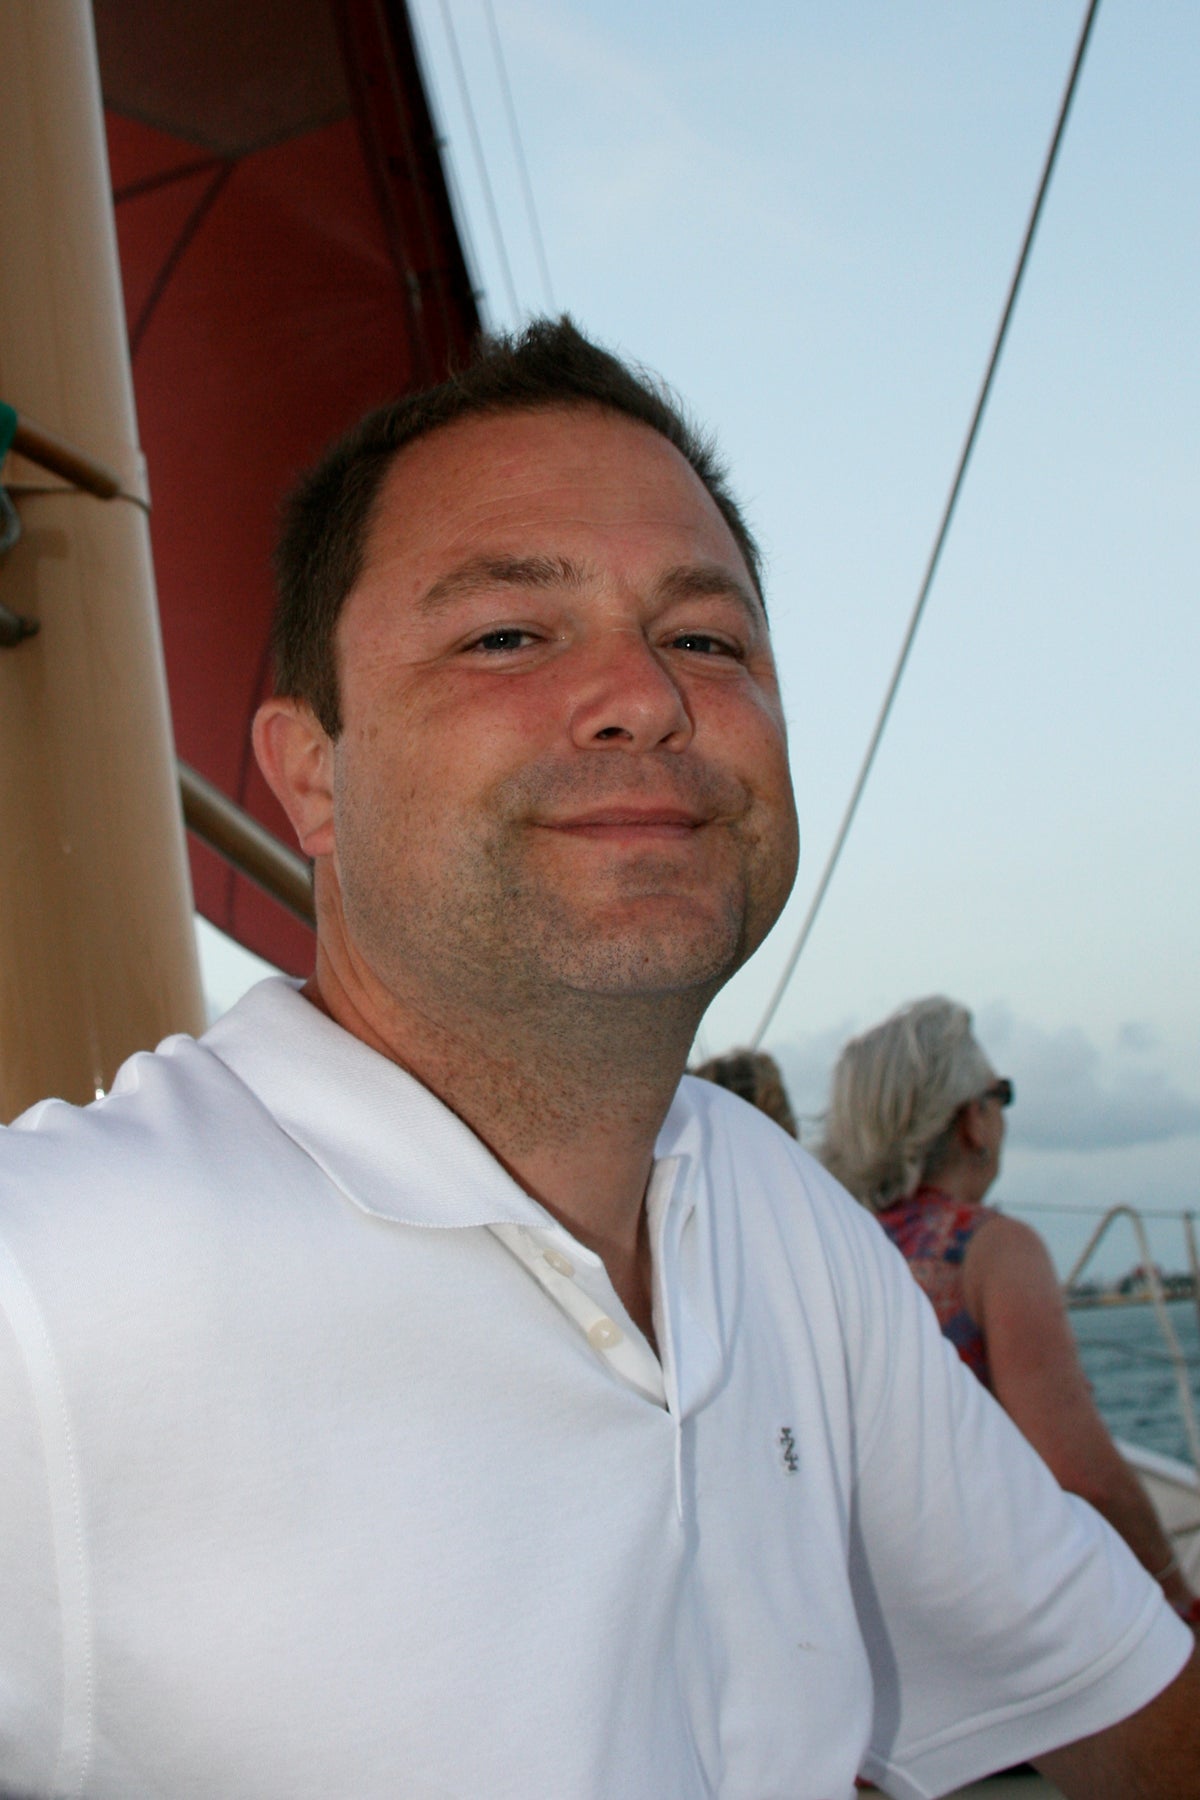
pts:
[152, 1095]
[703, 1111]
[168, 1110]
[773, 1176]
[139, 1206]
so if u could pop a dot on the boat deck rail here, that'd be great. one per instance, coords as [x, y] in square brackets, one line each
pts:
[1156, 1297]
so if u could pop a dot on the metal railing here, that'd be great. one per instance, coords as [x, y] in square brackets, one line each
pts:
[250, 847]
[1154, 1287]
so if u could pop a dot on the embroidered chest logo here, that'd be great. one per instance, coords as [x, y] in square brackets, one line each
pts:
[787, 1450]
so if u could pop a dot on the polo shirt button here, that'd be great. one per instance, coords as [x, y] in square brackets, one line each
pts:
[559, 1262]
[604, 1335]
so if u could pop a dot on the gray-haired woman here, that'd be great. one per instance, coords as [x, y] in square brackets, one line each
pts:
[914, 1129]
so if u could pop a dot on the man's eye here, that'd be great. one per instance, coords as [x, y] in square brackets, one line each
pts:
[704, 643]
[505, 637]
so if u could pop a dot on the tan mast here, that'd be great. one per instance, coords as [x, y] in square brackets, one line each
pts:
[97, 951]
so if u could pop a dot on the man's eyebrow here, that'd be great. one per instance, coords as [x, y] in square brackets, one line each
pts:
[710, 581]
[484, 572]
[689, 581]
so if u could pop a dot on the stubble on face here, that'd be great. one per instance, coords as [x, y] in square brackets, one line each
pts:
[519, 919]
[464, 882]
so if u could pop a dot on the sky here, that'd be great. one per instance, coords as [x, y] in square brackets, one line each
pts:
[805, 217]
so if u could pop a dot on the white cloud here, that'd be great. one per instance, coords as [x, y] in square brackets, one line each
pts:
[1074, 1095]
[1136, 1036]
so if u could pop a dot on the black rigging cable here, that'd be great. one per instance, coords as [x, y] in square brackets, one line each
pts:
[940, 540]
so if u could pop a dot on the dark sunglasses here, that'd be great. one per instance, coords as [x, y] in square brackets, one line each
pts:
[1001, 1090]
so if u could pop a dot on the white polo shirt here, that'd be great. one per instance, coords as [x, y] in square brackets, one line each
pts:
[332, 1466]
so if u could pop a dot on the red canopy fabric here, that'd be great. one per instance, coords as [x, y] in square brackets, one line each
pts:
[282, 273]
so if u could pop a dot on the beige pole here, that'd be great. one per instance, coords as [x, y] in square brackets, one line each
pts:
[97, 951]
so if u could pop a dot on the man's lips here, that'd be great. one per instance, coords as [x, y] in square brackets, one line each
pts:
[634, 822]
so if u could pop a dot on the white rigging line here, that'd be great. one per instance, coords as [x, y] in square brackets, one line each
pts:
[939, 541]
[535, 228]
[460, 75]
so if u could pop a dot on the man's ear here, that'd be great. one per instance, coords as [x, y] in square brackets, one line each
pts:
[296, 757]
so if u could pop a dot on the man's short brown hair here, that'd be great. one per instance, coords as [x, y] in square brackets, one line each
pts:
[327, 518]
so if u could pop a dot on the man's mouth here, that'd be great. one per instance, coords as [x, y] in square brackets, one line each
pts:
[634, 823]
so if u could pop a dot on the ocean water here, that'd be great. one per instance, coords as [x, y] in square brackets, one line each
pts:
[1127, 1363]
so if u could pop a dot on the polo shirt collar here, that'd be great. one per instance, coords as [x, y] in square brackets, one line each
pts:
[383, 1138]
[395, 1151]
[380, 1135]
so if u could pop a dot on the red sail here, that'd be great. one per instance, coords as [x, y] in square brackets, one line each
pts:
[290, 257]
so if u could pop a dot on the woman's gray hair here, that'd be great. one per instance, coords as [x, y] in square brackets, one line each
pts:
[896, 1092]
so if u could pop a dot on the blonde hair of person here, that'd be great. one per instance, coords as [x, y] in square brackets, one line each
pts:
[754, 1076]
[897, 1090]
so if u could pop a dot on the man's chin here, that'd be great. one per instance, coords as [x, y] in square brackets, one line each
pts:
[672, 956]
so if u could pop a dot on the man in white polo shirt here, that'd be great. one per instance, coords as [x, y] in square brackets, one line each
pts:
[413, 1389]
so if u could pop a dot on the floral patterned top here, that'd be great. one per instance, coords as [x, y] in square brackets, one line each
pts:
[931, 1230]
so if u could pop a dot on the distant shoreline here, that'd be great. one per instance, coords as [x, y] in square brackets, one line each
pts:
[1178, 1287]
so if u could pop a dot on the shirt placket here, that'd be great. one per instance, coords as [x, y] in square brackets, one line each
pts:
[578, 1283]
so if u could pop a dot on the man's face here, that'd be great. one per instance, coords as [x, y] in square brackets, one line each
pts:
[563, 757]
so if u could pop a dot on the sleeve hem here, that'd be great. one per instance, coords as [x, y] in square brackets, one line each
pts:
[1124, 1681]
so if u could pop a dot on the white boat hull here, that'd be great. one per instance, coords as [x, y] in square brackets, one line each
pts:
[1175, 1491]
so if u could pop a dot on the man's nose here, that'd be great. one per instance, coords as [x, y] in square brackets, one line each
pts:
[626, 696]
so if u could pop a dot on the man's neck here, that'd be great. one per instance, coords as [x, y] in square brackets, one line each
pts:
[569, 1098]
